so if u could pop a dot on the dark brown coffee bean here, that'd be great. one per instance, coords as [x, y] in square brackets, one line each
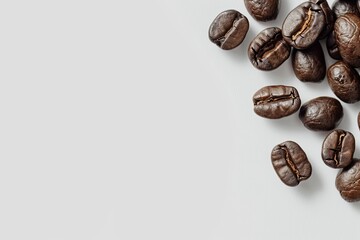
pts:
[276, 101]
[321, 114]
[332, 46]
[338, 149]
[341, 7]
[262, 10]
[348, 181]
[228, 29]
[268, 50]
[290, 163]
[309, 64]
[344, 81]
[347, 35]
[303, 25]
[329, 17]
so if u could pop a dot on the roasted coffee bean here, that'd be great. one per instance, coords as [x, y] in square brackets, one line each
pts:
[290, 163]
[303, 25]
[262, 10]
[329, 17]
[309, 64]
[347, 35]
[341, 7]
[338, 149]
[228, 29]
[321, 114]
[276, 101]
[344, 81]
[268, 50]
[348, 181]
[332, 46]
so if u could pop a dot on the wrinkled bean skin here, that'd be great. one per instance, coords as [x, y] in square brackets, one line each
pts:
[268, 50]
[276, 101]
[329, 17]
[262, 10]
[290, 163]
[347, 36]
[344, 81]
[341, 7]
[309, 64]
[348, 181]
[228, 29]
[321, 114]
[338, 149]
[303, 25]
[332, 47]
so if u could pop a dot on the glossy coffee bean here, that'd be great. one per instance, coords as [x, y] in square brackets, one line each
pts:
[303, 25]
[276, 101]
[338, 149]
[290, 163]
[268, 50]
[344, 81]
[347, 35]
[309, 64]
[321, 114]
[228, 29]
[262, 10]
[329, 17]
[341, 7]
[332, 46]
[348, 181]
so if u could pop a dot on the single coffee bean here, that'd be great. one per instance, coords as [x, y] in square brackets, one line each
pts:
[290, 163]
[344, 81]
[329, 17]
[262, 10]
[347, 35]
[321, 114]
[348, 181]
[276, 101]
[309, 64]
[303, 25]
[228, 29]
[332, 46]
[338, 149]
[268, 50]
[341, 7]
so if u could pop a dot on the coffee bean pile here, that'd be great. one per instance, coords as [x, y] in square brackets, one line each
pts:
[301, 31]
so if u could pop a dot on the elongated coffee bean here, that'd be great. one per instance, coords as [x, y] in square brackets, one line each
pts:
[348, 181]
[338, 149]
[276, 101]
[290, 163]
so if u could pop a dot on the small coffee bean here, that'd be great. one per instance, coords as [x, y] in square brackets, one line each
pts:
[344, 81]
[341, 7]
[303, 25]
[228, 29]
[329, 17]
[348, 181]
[309, 64]
[268, 50]
[262, 10]
[276, 101]
[332, 46]
[321, 114]
[347, 35]
[338, 149]
[290, 163]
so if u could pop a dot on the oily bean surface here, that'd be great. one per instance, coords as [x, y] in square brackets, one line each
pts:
[290, 163]
[348, 181]
[228, 29]
[321, 114]
[262, 10]
[332, 46]
[276, 101]
[268, 50]
[329, 17]
[338, 149]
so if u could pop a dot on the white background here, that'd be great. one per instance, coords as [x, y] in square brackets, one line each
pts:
[121, 120]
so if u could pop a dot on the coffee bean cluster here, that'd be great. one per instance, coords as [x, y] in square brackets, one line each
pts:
[299, 37]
